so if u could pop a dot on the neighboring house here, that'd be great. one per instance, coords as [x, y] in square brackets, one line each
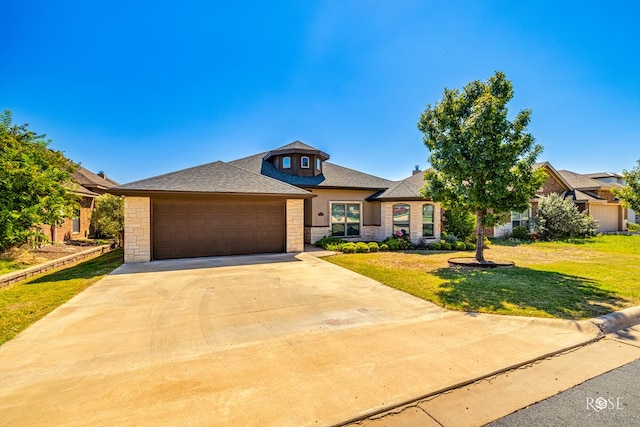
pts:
[88, 186]
[590, 195]
[615, 179]
[274, 201]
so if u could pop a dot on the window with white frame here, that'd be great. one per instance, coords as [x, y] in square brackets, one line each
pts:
[428, 229]
[345, 219]
[520, 219]
[318, 164]
[304, 162]
[286, 162]
[401, 215]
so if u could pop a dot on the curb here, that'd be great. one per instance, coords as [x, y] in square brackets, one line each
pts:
[617, 320]
[17, 276]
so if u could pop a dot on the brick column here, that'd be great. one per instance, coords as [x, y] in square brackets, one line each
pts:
[295, 225]
[137, 229]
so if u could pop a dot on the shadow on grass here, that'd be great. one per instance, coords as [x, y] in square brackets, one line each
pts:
[94, 267]
[499, 290]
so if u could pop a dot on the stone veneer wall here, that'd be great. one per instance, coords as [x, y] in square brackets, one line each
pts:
[137, 229]
[415, 220]
[295, 225]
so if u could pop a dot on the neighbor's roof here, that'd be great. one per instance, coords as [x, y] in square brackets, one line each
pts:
[332, 176]
[216, 177]
[407, 189]
[580, 182]
[86, 178]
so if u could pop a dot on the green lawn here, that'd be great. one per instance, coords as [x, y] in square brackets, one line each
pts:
[570, 280]
[23, 303]
[9, 265]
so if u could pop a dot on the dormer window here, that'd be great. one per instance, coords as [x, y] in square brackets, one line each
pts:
[304, 162]
[286, 162]
[318, 163]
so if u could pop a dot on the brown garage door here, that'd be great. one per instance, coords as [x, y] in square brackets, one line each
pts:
[197, 228]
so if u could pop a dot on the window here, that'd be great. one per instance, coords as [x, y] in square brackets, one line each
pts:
[401, 219]
[318, 164]
[304, 162]
[345, 219]
[427, 221]
[520, 219]
[76, 222]
[286, 162]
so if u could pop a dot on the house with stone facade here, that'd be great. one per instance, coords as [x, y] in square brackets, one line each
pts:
[271, 202]
[590, 194]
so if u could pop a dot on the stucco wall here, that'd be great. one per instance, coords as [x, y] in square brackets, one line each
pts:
[295, 225]
[137, 229]
[320, 213]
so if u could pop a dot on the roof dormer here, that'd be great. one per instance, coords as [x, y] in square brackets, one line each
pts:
[297, 159]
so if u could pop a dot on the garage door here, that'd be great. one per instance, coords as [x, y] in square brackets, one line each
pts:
[197, 228]
[606, 215]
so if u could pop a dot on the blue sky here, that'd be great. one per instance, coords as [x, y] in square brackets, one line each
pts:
[141, 88]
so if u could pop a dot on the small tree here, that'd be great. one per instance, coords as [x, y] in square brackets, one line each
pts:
[108, 216]
[482, 162]
[630, 195]
[35, 184]
[558, 218]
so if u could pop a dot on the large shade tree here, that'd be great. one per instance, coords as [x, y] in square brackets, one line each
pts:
[481, 161]
[630, 194]
[35, 184]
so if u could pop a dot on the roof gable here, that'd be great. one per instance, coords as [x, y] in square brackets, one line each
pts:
[406, 189]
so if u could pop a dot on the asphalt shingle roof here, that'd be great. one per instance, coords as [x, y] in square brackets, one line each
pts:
[216, 177]
[408, 188]
[579, 182]
[332, 175]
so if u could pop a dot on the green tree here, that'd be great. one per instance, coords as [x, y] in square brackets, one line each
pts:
[35, 184]
[630, 195]
[108, 216]
[481, 162]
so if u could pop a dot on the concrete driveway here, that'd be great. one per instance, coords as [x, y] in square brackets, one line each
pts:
[261, 340]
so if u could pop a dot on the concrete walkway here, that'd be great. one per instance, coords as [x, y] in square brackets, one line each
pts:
[261, 340]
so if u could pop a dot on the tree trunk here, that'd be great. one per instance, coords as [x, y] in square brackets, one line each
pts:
[480, 238]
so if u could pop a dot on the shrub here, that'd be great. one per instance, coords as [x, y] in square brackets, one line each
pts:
[348, 248]
[460, 246]
[435, 246]
[449, 238]
[329, 240]
[633, 227]
[459, 223]
[470, 246]
[520, 233]
[446, 246]
[399, 242]
[362, 248]
[373, 247]
[558, 218]
[384, 247]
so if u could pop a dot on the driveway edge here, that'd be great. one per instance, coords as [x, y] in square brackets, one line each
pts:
[617, 320]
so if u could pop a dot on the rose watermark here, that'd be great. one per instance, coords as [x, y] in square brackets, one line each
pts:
[604, 404]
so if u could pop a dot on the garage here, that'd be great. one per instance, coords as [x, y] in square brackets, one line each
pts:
[607, 216]
[186, 228]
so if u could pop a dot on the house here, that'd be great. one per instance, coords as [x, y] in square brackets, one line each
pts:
[590, 195]
[275, 201]
[617, 180]
[88, 186]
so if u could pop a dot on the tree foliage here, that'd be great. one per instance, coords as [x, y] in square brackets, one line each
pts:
[108, 216]
[482, 162]
[630, 195]
[35, 184]
[558, 218]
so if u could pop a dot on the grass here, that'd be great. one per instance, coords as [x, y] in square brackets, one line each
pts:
[23, 303]
[571, 280]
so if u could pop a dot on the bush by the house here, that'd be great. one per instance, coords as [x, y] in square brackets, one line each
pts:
[373, 247]
[470, 246]
[459, 223]
[399, 242]
[445, 246]
[558, 218]
[362, 248]
[449, 238]
[460, 246]
[520, 233]
[329, 240]
[633, 227]
[384, 247]
[347, 248]
[435, 246]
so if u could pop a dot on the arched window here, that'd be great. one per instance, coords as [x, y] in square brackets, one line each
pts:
[401, 217]
[427, 221]
[286, 162]
[304, 162]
